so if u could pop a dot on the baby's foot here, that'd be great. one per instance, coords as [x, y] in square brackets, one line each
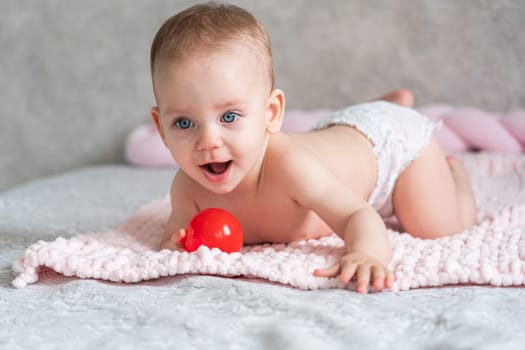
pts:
[458, 170]
[465, 193]
[401, 97]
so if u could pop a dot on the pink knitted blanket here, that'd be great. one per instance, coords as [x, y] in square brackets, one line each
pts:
[492, 252]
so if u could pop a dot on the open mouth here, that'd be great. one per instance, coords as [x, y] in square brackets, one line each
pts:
[216, 168]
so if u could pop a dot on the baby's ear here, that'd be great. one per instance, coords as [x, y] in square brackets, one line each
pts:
[275, 111]
[155, 115]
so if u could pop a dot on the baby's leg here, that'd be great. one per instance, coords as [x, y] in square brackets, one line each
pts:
[466, 199]
[432, 198]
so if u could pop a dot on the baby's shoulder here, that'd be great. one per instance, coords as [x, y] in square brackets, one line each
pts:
[284, 150]
[181, 179]
[290, 157]
[182, 186]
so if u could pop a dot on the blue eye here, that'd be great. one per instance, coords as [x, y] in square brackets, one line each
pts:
[183, 123]
[229, 117]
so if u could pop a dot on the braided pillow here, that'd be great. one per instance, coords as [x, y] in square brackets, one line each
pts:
[467, 128]
[463, 129]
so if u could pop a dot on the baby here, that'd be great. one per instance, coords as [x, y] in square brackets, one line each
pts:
[220, 116]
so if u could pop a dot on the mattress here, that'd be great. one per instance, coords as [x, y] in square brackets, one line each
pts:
[203, 311]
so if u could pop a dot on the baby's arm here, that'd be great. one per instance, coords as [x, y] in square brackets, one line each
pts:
[352, 218]
[172, 234]
[368, 252]
[183, 209]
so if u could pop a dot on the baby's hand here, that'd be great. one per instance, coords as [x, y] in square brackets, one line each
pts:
[364, 267]
[174, 243]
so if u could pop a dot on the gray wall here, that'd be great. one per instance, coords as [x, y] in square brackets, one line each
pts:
[75, 76]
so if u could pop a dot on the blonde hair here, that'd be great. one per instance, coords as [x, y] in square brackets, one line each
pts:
[209, 26]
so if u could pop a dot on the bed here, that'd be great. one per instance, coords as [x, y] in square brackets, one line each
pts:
[205, 311]
[80, 183]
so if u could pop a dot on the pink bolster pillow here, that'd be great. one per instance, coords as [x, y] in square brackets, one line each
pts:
[463, 129]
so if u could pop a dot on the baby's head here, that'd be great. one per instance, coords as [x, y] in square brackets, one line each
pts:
[207, 28]
[213, 81]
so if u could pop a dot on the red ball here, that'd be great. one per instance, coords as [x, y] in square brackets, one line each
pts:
[214, 228]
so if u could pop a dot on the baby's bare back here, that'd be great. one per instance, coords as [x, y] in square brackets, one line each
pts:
[347, 153]
[271, 214]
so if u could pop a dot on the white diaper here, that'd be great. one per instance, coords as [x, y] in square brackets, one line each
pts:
[398, 134]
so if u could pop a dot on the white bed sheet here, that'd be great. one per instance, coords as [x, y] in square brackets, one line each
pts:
[205, 312]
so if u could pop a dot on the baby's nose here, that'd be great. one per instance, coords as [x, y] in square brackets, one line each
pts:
[209, 138]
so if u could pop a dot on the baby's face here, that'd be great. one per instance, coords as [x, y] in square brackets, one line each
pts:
[213, 116]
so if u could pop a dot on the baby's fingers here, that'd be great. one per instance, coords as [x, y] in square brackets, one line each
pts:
[378, 277]
[381, 278]
[363, 278]
[328, 271]
[347, 272]
[389, 279]
[175, 242]
[176, 237]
